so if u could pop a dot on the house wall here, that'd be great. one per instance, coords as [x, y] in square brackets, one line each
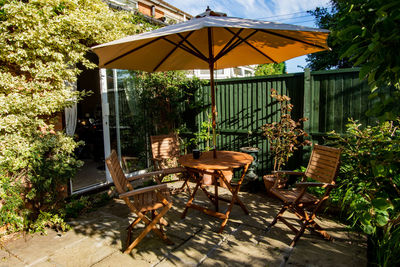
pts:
[147, 10]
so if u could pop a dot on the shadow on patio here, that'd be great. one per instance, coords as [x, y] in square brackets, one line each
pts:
[98, 238]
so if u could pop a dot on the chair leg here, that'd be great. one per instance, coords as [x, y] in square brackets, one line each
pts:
[317, 228]
[280, 213]
[157, 219]
[130, 228]
[185, 183]
[150, 227]
[190, 200]
[298, 235]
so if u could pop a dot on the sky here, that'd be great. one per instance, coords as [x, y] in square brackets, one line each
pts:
[283, 11]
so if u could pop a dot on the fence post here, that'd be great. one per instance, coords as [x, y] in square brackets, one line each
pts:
[307, 100]
[307, 112]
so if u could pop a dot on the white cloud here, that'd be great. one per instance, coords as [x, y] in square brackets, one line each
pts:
[248, 8]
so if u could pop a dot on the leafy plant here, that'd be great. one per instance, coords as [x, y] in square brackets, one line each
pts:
[369, 35]
[44, 42]
[329, 18]
[285, 136]
[167, 99]
[369, 183]
[204, 135]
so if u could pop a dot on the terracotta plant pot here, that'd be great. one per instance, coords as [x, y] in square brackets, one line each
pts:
[207, 178]
[269, 181]
[228, 175]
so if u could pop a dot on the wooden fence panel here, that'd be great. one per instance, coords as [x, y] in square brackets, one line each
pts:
[244, 105]
[326, 98]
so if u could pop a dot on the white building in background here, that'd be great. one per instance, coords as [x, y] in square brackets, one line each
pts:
[237, 72]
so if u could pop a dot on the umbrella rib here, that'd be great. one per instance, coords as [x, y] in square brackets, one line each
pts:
[234, 45]
[185, 48]
[228, 44]
[131, 51]
[172, 51]
[293, 39]
[193, 47]
[252, 46]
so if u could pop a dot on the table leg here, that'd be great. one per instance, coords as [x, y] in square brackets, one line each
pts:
[189, 203]
[215, 178]
[235, 198]
[232, 190]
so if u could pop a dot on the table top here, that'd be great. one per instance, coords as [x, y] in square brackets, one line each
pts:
[225, 160]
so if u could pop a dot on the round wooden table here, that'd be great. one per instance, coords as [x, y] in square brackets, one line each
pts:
[207, 164]
[225, 160]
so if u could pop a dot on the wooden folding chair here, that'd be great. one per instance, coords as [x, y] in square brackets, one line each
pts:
[166, 151]
[148, 199]
[322, 167]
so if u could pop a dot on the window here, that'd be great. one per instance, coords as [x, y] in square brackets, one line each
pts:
[237, 71]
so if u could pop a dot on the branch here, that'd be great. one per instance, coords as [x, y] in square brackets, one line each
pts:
[394, 185]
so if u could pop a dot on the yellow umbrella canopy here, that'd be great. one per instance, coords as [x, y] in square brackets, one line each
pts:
[211, 41]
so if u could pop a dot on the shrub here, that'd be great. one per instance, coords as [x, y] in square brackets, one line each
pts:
[369, 183]
[42, 43]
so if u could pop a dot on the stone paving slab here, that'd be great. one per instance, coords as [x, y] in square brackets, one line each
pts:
[98, 239]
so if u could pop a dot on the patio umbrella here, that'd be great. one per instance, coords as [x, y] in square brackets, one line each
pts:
[211, 41]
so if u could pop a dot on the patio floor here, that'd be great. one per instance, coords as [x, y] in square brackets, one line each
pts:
[98, 237]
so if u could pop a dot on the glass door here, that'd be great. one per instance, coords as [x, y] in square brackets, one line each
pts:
[127, 134]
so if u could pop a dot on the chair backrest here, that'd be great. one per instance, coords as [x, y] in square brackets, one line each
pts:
[165, 146]
[116, 172]
[324, 163]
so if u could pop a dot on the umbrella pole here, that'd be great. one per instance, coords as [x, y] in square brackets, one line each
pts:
[213, 110]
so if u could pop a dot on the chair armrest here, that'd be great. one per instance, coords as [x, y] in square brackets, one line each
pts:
[307, 184]
[288, 173]
[143, 190]
[144, 175]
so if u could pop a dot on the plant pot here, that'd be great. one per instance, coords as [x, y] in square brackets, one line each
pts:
[269, 181]
[207, 178]
[228, 175]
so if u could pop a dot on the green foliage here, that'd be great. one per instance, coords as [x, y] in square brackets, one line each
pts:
[270, 69]
[144, 22]
[369, 183]
[369, 33]
[328, 19]
[79, 205]
[168, 100]
[42, 43]
[203, 135]
[49, 220]
[285, 136]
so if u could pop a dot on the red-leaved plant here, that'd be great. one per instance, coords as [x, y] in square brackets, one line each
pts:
[285, 136]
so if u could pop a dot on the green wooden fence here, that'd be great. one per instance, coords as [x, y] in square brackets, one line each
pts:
[327, 98]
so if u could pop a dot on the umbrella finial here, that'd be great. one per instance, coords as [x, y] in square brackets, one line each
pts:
[209, 13]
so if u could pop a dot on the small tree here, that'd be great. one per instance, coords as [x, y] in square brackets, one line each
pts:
[285, 136]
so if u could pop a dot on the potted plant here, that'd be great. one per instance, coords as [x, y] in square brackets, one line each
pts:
[284, 137]
[204, 136]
